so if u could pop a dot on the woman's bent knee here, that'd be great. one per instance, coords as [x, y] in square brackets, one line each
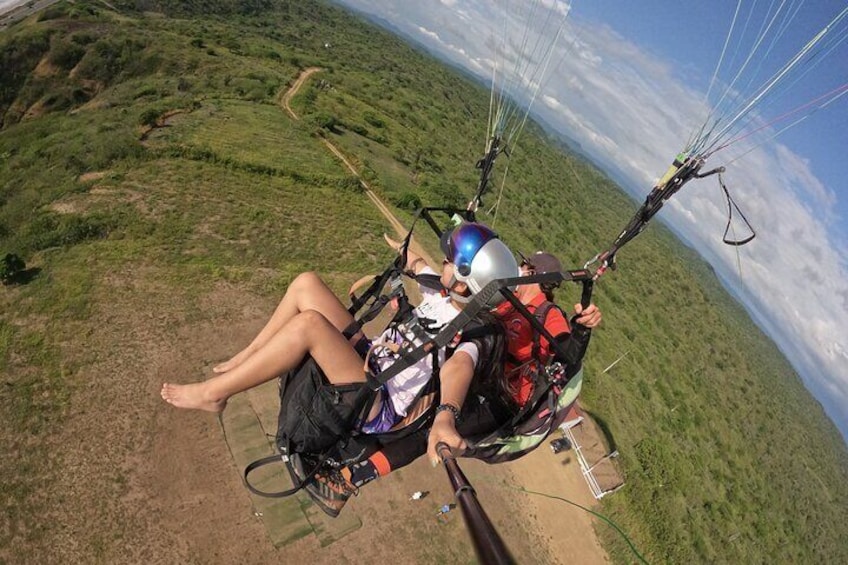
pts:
[307, 280]
[311, 322]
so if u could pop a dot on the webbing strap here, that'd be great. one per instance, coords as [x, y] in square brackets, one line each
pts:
[298, 484]
[261, 463]
[541, 314]
[686, 170]
[731, 204]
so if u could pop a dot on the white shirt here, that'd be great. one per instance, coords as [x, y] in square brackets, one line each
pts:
[434, 312]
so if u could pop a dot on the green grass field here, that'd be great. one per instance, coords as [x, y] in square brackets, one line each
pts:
[727, 458]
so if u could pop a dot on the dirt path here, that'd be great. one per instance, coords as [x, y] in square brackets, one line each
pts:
[399, 228]
[290, 93]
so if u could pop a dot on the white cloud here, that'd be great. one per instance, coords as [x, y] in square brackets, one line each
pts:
[430, 34]
[551, 102]
[558, 6]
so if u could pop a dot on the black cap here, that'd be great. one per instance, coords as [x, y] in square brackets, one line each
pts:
[542, 262]
[444, 242]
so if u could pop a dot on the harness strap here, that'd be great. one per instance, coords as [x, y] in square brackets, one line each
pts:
[278, 494]
[731, 204]
[427, 280]
[541, 314]
[478, 332]
[261, 463]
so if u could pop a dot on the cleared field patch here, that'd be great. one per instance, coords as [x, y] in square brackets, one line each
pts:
[250, 133]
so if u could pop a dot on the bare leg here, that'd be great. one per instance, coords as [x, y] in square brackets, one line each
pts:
[307, 333]
[306, 292]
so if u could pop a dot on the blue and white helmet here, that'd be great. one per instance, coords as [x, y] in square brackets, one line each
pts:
[479, 257]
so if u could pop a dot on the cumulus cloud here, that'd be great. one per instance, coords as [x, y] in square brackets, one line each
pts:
[431, 34]
[630, 110]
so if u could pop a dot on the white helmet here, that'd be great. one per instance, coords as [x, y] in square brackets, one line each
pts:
[479, 257]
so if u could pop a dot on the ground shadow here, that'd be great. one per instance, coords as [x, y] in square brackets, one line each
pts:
[25, 277]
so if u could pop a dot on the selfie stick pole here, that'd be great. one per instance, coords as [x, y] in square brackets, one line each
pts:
[488, 544]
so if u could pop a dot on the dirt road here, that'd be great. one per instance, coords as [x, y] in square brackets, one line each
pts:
[290, 93]
[17, 10]
[399, 228]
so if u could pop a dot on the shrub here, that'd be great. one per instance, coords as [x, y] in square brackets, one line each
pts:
[109, 57]
[11, 268]
[18, 57]
[76, 229]
[149, 117]
[65, 54]
[350, 184]
[408, 201]
[446, 194]
[325, 120]
[53, 13]
[83, 38]
[373, 120]
[256, 93]
[145, 91]
[358, 128]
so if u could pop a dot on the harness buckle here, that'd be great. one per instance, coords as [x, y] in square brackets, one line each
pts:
[396, 285]
[555, 373]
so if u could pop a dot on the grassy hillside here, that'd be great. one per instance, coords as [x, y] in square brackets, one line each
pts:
[143, 147]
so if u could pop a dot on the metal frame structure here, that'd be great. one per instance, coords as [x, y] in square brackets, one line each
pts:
[585, 468]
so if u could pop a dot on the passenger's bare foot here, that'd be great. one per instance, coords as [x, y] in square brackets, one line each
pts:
[232, 363]
[192, 396]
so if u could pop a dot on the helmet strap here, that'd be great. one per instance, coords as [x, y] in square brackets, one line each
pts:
[455, 295]
[459, 298]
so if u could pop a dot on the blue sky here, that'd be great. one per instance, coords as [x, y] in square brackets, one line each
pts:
[822, 137]
[629, 85]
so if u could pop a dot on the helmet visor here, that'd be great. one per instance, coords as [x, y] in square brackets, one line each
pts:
[463, 243]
